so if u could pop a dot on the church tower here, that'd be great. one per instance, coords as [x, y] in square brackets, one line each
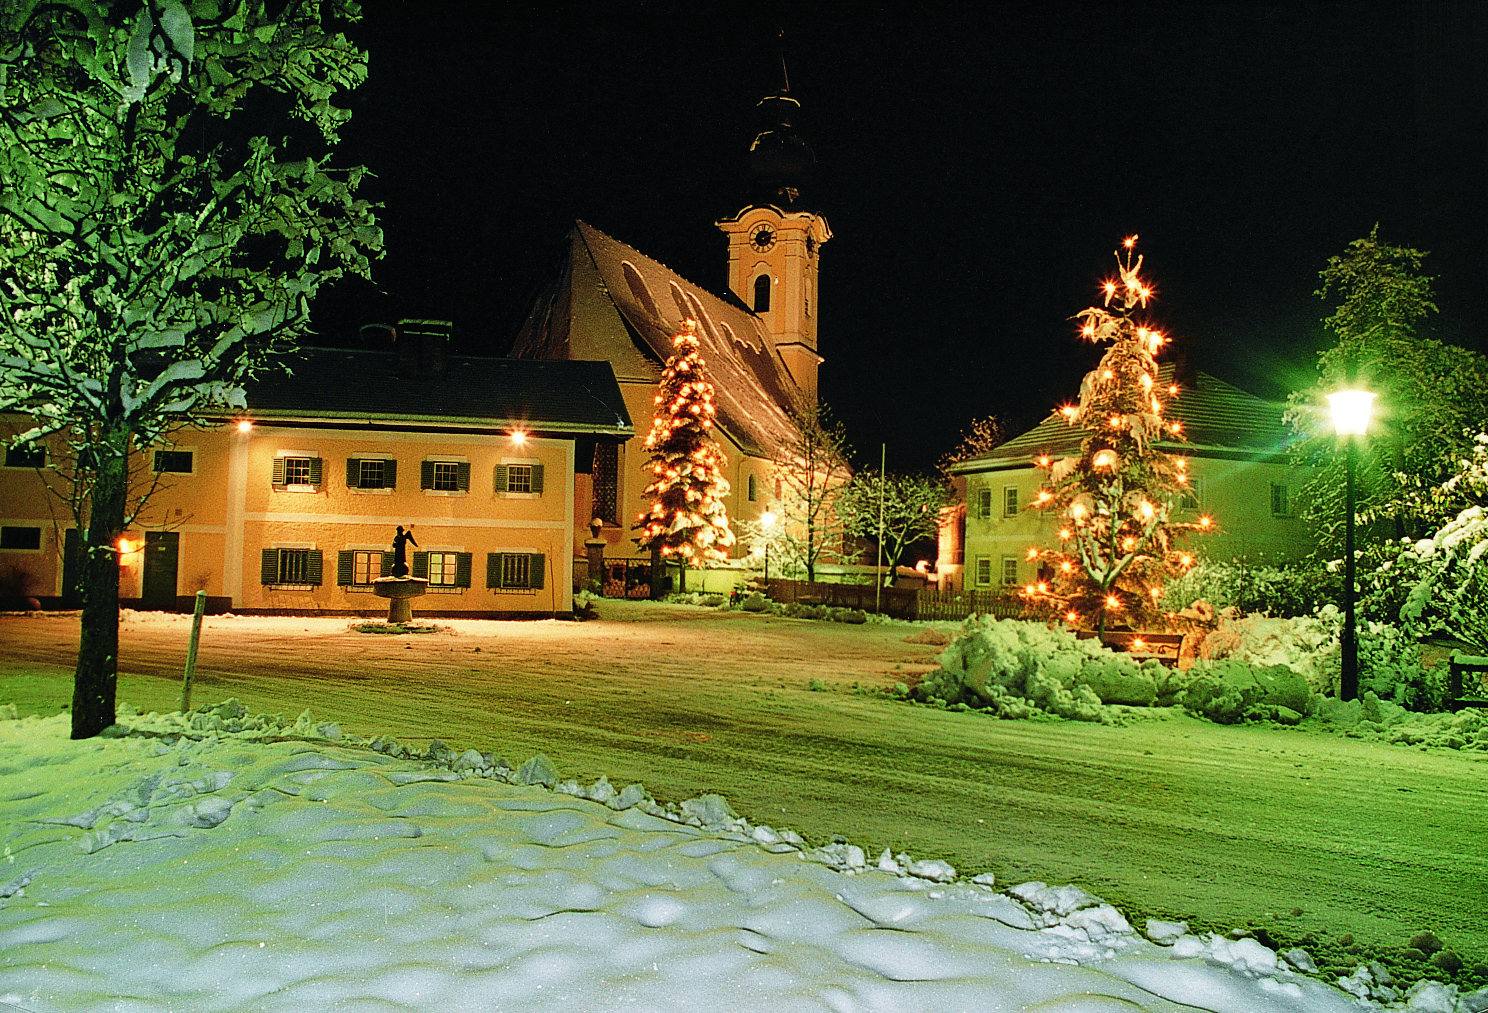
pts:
[774, 245]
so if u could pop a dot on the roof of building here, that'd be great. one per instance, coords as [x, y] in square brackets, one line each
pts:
[1219, 420]
[367, 385]
[612, 302]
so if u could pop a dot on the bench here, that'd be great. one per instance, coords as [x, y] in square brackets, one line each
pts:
[1462, 667]
[1162, 646]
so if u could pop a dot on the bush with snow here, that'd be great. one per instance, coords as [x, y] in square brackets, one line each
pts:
[1288, 589]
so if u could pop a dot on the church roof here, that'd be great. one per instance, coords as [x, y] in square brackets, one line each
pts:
[613, 302]
[366, 386]
[1219, 420]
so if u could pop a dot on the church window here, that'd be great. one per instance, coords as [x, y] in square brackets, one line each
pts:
[753, 493]
[762, 294]
[638, 287]
[606, 482]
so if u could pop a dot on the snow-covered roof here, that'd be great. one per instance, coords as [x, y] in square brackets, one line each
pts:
[1219, 420]
[612, 302]
[366, 385]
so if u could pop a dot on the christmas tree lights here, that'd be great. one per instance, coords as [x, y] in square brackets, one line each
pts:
[687, 520]
[1118, 543]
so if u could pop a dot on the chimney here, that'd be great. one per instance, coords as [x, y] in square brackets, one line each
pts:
[423, 346]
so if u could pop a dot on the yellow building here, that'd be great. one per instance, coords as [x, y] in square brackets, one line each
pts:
[291, 507]
[611, 302]
[1236, 449]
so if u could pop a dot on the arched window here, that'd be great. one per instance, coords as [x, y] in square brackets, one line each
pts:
[753, 495]
[762, 294]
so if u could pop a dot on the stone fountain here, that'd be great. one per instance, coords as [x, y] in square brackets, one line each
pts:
[400, 589]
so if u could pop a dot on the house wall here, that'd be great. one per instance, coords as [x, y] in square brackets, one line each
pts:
[1237, 494]
[227, 511]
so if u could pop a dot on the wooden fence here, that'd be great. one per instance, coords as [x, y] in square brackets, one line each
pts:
[899, 602]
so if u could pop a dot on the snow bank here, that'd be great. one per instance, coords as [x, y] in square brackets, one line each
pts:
[285, 866]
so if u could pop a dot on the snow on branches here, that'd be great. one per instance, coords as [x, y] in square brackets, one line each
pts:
[1118, 543]
[687, 519]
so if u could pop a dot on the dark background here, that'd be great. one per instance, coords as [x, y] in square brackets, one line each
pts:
[977, 173]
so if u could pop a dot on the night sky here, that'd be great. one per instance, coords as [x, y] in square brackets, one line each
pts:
[977, 173]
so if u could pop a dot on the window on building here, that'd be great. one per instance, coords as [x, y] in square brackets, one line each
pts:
[443, 569]
[1009, 570]
[1189, 498]
[777, 488]
[762, 294]
[297, 470]
[291, 566]
[753, 493]
[175, 461]
[1281, 500]
[983, 573]
[27, 455]
[520, 478]
[1010, 501]
[516, 570]
[445, 476]
[20, 538]
[984, 504]
[360, 567]
[371, 473]
[605, 480]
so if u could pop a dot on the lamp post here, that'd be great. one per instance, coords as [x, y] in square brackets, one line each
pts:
[767, 521]
[1350, 410]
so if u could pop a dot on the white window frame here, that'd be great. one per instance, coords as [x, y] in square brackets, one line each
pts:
[286, 456]
[981, 567]
[1003, 576]
[1010, 501]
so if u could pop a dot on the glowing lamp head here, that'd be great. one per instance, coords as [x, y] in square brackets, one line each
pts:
[518, 437]
[125, 546]
[245, 426]
[768, 519]
[1350, 410]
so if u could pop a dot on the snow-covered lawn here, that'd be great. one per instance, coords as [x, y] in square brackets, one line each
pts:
[227, 874]
[1287, 832]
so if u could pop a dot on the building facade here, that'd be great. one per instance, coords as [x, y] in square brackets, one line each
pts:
[291, 506]
[1239, 476]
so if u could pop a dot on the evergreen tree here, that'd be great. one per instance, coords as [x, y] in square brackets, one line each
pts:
[155, 253]
[688, 520]
[1115, 499]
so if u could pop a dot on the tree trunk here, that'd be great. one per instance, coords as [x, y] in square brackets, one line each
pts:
[98, 647]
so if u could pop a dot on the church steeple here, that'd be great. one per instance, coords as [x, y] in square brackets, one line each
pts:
[774, 246]
[780, 160]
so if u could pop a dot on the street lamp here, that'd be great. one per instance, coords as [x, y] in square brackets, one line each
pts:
[1350, 410]
[767, 521]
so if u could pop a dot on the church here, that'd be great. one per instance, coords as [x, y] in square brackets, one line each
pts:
[611, 302]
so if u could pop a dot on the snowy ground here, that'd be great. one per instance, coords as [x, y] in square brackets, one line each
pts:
[297, 871]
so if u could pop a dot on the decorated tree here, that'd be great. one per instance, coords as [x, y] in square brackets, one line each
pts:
[688, 521]
[156, 250]
[1118, 543]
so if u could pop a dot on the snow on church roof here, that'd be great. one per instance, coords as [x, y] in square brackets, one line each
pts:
[1219, 420]
[613, 302]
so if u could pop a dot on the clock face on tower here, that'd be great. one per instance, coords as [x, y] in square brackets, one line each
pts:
[763, 238]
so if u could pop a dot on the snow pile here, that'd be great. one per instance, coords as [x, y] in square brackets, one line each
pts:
[281, 867]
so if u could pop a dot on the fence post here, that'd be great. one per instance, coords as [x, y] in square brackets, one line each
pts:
[190, 674]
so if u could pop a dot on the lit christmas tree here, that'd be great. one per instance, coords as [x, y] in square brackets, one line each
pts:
[1117, 543]
[687, 521]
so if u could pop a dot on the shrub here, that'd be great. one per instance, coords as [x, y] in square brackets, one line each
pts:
[1288, 589]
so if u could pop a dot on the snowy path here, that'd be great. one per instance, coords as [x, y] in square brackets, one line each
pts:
[229, 874]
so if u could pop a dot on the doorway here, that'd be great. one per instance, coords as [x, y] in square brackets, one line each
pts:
[162, 554]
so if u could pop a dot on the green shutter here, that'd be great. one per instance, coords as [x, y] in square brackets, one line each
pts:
[386, 569]
[420, 564]
[537, 478]
[501, 482]
[278, 471]
[315, 471]
[535, 578]
[463, 561]
[353, 473]
[389, 475]
[344, 573]
[462, 476]
[314, 567]
[426, 474]
[493, 569]
[269, 567]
